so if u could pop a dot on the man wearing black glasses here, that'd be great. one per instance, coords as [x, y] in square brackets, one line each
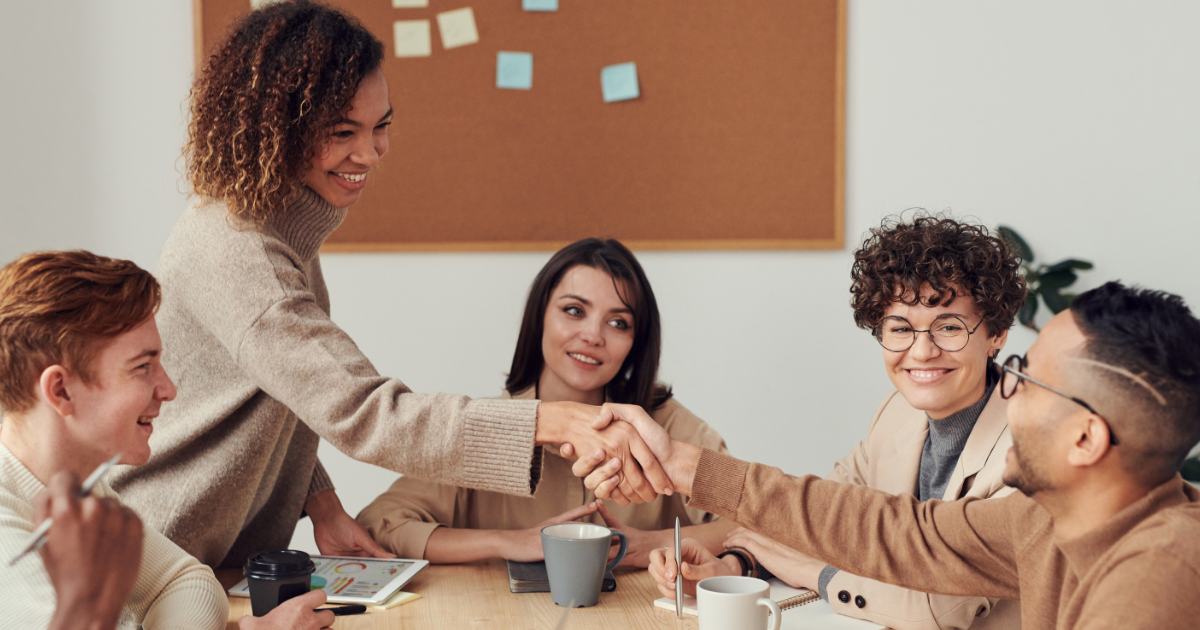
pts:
[1104, 533]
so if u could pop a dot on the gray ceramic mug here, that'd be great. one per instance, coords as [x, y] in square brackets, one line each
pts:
[575, 561]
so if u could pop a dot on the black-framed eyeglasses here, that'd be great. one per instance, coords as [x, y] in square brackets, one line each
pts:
[1011, 376]
[948, 332]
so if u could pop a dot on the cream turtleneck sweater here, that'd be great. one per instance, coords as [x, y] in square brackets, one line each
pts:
[172, 590]
[263, 374]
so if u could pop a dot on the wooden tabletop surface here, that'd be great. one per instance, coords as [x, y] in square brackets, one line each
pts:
[476, 596]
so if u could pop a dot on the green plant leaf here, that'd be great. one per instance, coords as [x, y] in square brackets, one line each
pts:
[1012, 238]
[1028, 312]
[1053, 281]
[1055, 302]
[1067, 265]
[1191, 469]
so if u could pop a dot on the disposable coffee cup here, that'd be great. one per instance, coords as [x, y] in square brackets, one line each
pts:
[277, 576]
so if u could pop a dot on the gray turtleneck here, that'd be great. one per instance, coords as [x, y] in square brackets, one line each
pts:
[943, 445]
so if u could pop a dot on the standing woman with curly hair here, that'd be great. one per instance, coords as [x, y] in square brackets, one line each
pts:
[939, 296]
[288, 118]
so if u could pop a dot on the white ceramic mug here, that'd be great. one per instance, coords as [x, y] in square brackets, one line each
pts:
[733, 602]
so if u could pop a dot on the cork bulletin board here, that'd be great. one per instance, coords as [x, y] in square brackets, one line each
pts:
[735, 142]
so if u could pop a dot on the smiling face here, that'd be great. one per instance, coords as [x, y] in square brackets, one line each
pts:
[935, 381]
[340, 169]
[588, 332]
[113, 414]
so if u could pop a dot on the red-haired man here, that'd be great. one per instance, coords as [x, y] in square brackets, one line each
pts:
[80, 381]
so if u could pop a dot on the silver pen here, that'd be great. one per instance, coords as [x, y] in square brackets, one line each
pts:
[678, 573]
[38, 537]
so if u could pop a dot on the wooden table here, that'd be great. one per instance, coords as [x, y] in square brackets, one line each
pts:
[476, 596]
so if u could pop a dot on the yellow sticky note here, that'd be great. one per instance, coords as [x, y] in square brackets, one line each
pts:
[409, 4]
[412, 38]
[458, 28]
[397, 599]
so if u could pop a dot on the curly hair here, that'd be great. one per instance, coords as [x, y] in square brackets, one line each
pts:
[263, 103]
[899, 257]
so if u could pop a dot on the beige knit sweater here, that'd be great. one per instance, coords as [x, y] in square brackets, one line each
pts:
[172, 590]
[263, 373]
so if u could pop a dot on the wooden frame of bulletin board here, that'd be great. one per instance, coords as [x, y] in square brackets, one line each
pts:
[737, 140]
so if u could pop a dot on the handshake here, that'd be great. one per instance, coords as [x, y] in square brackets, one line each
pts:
[625, 456]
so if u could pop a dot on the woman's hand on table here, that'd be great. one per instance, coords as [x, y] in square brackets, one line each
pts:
[295, 614]
[791, 566]
[336, 532]
[525, 545]
[698, 563]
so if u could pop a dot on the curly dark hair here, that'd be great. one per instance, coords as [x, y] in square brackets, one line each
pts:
[899, 257]
[266, 98]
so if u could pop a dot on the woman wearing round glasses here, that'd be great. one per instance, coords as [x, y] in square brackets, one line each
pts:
[939, 296]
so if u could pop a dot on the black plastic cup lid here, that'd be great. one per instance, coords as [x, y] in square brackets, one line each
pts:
[278, 565]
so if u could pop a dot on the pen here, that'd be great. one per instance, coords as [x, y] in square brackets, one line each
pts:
[356, 609]
[678, 574]
[38, 537]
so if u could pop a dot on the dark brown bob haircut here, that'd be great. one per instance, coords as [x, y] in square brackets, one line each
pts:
[636, 382]
[61, 308]
[899, 257]
[262, 106]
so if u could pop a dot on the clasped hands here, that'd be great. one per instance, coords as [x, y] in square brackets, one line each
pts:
[625, 456]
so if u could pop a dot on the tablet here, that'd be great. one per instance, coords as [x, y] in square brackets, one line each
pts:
[348, 580]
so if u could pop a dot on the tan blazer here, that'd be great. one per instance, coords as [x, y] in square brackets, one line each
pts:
[403, 518]
[889, 459]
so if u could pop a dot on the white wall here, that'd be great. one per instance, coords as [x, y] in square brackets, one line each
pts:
[1074, 122]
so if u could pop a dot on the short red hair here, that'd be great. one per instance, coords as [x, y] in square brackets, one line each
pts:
[59, 308]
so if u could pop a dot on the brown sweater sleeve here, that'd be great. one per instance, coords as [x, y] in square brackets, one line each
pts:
[960, 547]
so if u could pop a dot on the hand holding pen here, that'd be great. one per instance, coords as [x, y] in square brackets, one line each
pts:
[92, 554]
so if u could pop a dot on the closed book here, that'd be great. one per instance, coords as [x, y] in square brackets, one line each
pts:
[530, 577]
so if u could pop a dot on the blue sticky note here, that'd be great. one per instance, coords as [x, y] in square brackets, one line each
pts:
[539, 5]
[514, 70]
[619, 82]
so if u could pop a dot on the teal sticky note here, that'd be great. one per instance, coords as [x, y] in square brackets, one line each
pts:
[619, 82]
[514, 70]
[539, 5]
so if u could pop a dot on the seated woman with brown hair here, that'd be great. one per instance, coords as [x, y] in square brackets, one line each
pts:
[590, 334]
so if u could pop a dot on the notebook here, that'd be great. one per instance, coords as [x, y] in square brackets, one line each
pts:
[530, 577]
[803, 610]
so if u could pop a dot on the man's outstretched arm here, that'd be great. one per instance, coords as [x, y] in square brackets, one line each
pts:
[954, 548]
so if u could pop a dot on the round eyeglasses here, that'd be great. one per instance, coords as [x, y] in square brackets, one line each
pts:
[1011, 376]
[948, 332]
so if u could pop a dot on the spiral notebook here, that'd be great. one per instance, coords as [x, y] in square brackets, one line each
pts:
[804, 610]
